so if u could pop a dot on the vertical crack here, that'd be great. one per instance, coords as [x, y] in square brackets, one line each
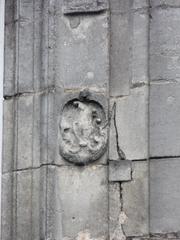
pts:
[120, 152]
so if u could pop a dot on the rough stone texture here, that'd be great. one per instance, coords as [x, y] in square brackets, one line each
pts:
[113, 144]
[131, 120]
[168, 3]
[83, 131]
[164, 195]
[164, 119]
[83, 194]
[120, 170]
[114, 207]
[135, 200]
[84, 6]
[165, 45]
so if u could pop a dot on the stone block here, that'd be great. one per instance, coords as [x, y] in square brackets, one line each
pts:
[135, 195]
[21, 139]
[120, 54]
[20, 205]
[139, 44]
[164, 119]
[22, 47]
[168, 3]
[164, 195]
[81, 58]
[165, 45]
[132, 125]
[83, 195]
[119, 171]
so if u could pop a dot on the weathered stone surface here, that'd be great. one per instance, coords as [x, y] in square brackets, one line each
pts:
[20, 205]
[164, 195]
[135, 201]
[139, 4]
[22, 47]
[165, 45]
[84, 6]
[140, 38]
[120, 46]
[114, 207]
[21, 146]
[83, 131]
[113, 147]
[6, 207]
[167, 3]
[120, 170]
[131, 120]
[121, 6]
[82, 58]
[9, 49]
[164, 119]
[8, 120]
[83, 194]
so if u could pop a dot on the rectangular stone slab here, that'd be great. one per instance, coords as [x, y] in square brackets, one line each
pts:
[83, 195]
[119, 170]
[84, 6]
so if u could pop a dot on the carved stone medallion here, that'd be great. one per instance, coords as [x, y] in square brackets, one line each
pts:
[83, 131]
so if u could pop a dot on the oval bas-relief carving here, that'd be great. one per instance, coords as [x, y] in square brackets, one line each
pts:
[83, 131]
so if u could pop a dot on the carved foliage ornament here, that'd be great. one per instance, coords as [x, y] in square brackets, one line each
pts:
[83, 131]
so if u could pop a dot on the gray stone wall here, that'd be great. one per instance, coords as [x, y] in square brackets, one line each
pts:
[115, 177]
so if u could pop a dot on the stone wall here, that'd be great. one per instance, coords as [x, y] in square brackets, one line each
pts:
[91, 119]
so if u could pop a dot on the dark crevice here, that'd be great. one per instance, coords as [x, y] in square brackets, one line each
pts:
[139, 160]
[163, 157]
[138, 85]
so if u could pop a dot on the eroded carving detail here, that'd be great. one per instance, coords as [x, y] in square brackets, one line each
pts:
[83, 131]
[84, 6]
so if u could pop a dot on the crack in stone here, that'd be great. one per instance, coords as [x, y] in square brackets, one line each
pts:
[163, 157]
[46, 165]
[120, 152]
[31, 93]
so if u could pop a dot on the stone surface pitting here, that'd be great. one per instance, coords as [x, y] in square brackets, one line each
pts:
[83, 131]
